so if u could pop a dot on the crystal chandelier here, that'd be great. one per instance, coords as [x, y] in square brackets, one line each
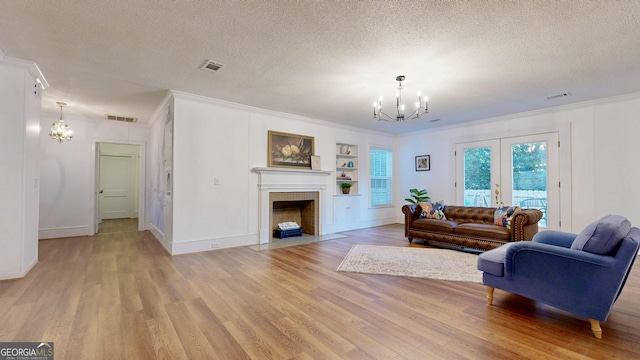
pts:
[422, 107]
[59, 130]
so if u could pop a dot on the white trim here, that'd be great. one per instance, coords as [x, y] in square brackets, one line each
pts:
[159, 235]
[516, 116]
[161, 109]
[192, 246]
[179, 94]
[360, 224]
[267, 170]
[62, 232]
[31, 67]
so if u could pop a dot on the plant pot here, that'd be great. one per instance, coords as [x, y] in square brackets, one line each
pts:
[346, 190]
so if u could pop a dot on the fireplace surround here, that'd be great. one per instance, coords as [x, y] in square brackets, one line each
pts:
[290, 186]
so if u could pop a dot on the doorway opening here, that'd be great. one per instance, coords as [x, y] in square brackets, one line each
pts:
[119, 187]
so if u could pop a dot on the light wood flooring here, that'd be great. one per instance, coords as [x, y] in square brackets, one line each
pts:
[120, 296]
[118, 225]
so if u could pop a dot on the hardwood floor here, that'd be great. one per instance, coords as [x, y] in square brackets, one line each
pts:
[118, 225]
[119, 295]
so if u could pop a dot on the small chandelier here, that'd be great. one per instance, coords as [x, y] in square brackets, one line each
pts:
[59, 130]
[380, 115]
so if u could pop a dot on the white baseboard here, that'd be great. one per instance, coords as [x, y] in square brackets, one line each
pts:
[61, 232]
[159, 235]
[186, 247]
[18, 275]
[334, 228]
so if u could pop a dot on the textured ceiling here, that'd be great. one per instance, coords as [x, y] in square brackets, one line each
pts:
[328, 60]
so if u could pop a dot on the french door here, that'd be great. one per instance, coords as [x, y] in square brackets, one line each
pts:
[517, 171]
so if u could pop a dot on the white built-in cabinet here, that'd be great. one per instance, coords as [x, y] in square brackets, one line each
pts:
[21, 85]
[346, 206]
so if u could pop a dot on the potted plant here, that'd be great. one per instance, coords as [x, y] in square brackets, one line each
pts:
[418, 196]
[346, 187]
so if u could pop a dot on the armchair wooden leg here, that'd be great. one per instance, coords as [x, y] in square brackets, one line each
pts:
[595, 327]
[490, 295]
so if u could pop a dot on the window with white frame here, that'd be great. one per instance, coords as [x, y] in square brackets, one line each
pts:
[381, 173]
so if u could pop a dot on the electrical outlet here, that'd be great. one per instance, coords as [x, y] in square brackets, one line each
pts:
[216, 181]
[215, 245]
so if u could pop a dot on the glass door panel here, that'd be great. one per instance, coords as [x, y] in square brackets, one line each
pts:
[532, 181]
[478, 170]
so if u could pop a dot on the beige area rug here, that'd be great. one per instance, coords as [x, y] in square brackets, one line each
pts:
[438, 264]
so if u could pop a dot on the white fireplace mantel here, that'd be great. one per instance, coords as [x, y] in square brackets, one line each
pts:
[287, 180]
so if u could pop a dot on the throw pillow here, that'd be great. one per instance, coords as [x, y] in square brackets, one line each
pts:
[603, 236]
[504, 215]
[433, 210]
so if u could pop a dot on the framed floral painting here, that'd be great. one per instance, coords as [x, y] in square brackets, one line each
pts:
[290, 150]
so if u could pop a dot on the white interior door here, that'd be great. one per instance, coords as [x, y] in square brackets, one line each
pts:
[116, 195]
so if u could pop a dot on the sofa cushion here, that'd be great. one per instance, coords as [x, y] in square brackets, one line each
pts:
[432, 210]
[603, 236]
[434, 225]
[469, 214]
[504, 215]
[483, 230]
[492, 261]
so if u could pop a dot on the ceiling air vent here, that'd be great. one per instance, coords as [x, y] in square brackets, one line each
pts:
[128, 119]
[557, 96]
[211, 65]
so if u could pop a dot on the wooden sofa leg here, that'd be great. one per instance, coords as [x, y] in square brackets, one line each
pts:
[595, 327]
[410, 240]
[490, 295]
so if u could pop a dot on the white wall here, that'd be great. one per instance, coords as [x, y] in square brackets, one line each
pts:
[20, 98]
[600, 163]
[157, 213]
[224, 141]
[67, 171]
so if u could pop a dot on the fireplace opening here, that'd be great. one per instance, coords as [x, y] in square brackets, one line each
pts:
[299, 207]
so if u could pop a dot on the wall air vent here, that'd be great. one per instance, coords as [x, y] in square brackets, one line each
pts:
[557, 96]
[211, 65]
[128, 119]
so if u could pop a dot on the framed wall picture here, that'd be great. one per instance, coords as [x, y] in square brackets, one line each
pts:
[290, 150]
[423, 163]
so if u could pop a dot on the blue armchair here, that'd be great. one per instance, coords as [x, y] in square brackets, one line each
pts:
[579, 273]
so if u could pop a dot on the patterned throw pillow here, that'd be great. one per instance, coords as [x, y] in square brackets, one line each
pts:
[433, 210]
[504, 215]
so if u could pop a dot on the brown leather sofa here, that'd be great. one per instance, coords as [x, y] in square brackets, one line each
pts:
[470, 227]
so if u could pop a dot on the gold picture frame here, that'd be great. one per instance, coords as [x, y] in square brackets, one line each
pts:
[290, 150]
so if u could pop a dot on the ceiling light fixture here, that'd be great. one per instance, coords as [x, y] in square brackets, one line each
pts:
[59, 130]
[380, 115]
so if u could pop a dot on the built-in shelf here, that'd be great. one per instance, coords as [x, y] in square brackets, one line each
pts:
[347, 164]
